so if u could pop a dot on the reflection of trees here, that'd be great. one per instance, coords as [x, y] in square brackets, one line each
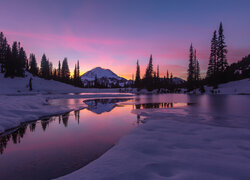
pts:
[154, 105]
[44, 125]
[3, 142]
[44, 122]
[59, 119]
[17, 134]
[32, 127]
[77, 115]
[65, 118]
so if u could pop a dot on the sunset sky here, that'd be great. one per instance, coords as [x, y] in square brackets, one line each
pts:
[115, 33]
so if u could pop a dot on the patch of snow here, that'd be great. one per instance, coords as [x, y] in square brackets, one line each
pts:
[166, 147]
[18, 104]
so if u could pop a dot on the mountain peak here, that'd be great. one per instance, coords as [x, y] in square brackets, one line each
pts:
[99, 72]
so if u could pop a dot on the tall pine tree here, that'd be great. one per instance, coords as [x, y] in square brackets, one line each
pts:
[149, 70]
[148, 79]
[44, 71]
[212, 66]
[59, 70]
[137, 76]
[221, 50]
[3, 52]
[33, 65]
[21, 62]
[196, 68]
[65, 70]
[191, 70]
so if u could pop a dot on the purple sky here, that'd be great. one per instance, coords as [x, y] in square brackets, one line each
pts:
[115, 33]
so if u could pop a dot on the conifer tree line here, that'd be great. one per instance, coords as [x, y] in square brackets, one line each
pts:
[152, 80]
[217, 65]
[218, 69]
[14, 62]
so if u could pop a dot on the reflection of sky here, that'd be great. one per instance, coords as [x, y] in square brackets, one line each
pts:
[114, 34]
[62, 149]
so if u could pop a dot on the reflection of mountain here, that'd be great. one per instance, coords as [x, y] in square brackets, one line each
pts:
[100, 106]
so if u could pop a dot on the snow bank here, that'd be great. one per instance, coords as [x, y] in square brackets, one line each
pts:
[20, 86]
[235, 87]
[168, 148]
[17, 109]
[18, 104]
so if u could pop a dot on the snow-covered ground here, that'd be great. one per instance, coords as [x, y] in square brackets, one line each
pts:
[168, 146]
[18, 104]
[233, 87]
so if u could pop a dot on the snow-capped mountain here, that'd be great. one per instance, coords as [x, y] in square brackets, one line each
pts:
[177, 80]
[99, 73]
[104, 78]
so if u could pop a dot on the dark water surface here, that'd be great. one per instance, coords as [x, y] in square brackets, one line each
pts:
[58, 145]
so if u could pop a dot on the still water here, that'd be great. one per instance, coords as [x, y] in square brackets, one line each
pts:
[57, 145]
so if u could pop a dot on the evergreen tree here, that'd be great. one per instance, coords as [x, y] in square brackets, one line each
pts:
[75, 72]
[137, 77]
[167, 75]
[196, 68]
[3, 52]
[50, 70]
[158, 72]
[33, 65]
[78, 70]
[221, 50]
[44, 71]
[55, 74]
[197, 71]
[212, 66]
[194, 65]
[191, 69]
[59, 71]
[65, 70]
[149, 75]
[149, 70]
[9, 64]
[96, 82]
[21, 62]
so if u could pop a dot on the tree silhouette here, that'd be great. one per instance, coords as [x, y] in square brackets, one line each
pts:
[137, 76]
[3, 52]
[65, 70]
[44, 71]
[191, 69]
[221, 51]
[33, 65]
[212, 66]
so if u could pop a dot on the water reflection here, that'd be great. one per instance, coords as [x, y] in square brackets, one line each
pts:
[97, 106]
[159, 105]
[100, 106]
[18, 134]
[57, 145]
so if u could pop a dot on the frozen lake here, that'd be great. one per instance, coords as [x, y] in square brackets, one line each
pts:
[57, 145]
